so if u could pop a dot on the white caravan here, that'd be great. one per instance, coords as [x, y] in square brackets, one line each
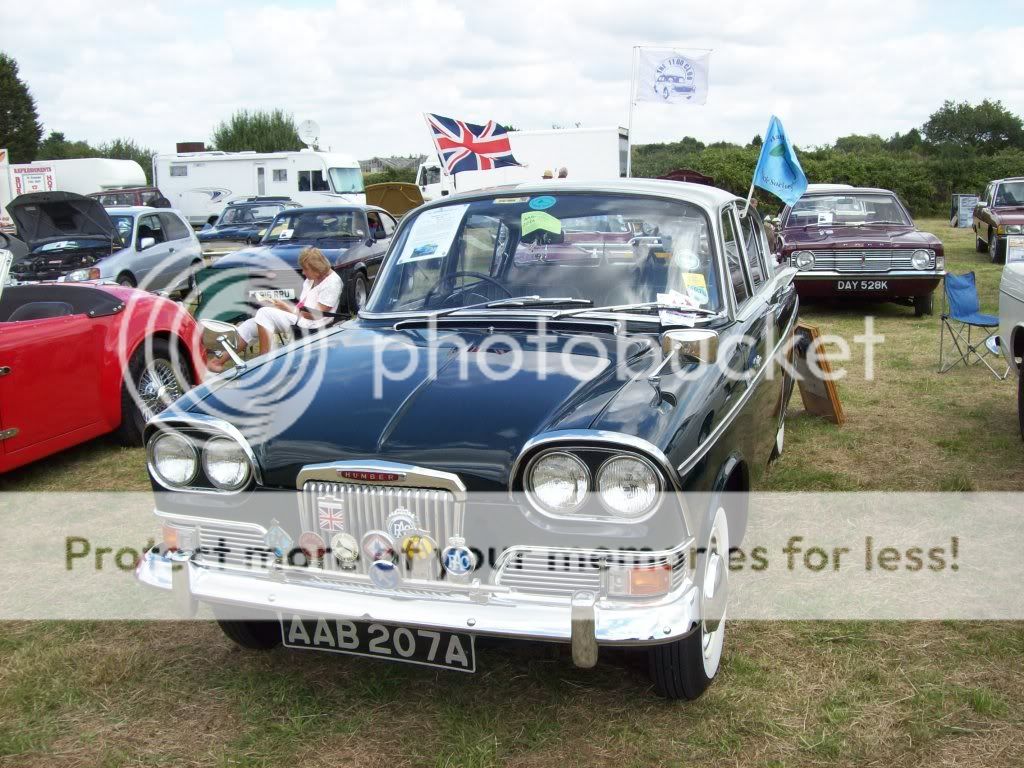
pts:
[81, 176]
[587, 154]
[200, 184]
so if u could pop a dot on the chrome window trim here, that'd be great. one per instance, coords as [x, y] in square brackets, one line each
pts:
[202, 422]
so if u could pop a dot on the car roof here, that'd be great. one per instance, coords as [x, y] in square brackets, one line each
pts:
[832, 191]
[709, 197]
[137, 210]
[1008, 178]
[332, 209]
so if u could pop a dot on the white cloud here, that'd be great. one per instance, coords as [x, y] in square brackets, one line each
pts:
[161, 73]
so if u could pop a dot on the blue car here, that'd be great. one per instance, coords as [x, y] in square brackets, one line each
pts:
[242, 223]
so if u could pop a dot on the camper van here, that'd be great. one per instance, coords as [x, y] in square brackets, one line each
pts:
[200, 184]
[81, 176]
[586, 154]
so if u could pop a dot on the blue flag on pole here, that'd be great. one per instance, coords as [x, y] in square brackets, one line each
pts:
[778, 170]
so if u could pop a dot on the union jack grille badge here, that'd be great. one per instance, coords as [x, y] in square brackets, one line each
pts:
[331, 514]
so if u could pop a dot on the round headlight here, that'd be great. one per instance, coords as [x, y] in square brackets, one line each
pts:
[174, 459]
[803, 259]
[1013, 229]
[921, 259]
[558, 482]
[225, 464]
[628, 486]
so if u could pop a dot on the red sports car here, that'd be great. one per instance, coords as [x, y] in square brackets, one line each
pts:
[81, 360]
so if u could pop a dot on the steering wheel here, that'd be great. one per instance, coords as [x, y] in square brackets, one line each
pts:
[453, 275]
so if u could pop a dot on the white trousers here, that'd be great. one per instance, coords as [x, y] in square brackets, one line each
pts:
[273, 319]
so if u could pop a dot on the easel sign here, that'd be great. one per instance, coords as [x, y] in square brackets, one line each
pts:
[817, 389]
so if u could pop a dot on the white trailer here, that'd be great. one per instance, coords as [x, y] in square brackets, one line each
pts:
[81, 176]
[200, 184]
[587, 154]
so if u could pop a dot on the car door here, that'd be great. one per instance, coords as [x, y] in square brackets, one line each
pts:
[383, 237]
[147, 264]
[175, 268]
[49, 380]
[982, 215]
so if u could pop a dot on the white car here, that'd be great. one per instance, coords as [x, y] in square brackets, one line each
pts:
[1011, 322]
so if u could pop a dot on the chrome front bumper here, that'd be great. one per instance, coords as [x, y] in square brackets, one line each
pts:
[586, 619]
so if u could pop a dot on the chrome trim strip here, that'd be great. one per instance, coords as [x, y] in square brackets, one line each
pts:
[727, 420]
[917, 273]
[203, 422]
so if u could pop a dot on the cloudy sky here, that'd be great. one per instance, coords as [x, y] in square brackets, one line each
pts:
[162, 72]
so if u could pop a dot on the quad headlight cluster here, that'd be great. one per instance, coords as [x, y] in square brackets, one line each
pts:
[176, 459]
[621, 486]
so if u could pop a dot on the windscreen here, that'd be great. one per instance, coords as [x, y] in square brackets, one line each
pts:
[346, 180]
[599, 248]
[245, 214]
[1010, 193]
[847, 209]
[313, 226]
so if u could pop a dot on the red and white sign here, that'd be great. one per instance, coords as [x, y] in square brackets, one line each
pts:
[33, 178]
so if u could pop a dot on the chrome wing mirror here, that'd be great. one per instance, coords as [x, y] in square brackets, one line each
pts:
[685, 345]
[223, 336]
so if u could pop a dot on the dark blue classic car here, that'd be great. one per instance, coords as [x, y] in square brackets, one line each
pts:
[542, 425]
[242, 223]
[354, 239]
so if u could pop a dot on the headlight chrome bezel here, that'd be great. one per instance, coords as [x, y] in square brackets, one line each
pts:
[205, 462]
[797, 260]
[919, 265]
[200, 431]
[593, 509]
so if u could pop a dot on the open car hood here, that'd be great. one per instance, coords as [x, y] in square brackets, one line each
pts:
[43, 216]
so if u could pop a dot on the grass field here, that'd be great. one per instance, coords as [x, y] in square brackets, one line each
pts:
[789, 694]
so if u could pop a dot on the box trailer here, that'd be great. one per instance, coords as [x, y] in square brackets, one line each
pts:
[200, 184]
[586, 154]
[81, 176]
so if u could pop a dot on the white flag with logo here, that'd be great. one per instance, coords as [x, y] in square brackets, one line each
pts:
[672, 76]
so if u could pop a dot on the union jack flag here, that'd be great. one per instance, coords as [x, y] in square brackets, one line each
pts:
[466, 147]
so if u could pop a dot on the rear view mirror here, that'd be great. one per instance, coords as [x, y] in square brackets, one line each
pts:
[691, 345]
[218, 336]
[146, 242]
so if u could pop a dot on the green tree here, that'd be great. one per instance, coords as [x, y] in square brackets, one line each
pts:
[57, 147]
[20, 129]
[259, 131]
[857, 143]
[127, 149]
[986, 127]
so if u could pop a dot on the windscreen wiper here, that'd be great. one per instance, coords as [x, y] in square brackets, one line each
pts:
[515, 301]
[644, 307]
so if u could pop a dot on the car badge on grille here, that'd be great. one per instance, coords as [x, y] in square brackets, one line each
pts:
[400, 523]
[345, 549]
[370, 477]
[457, 558]
[312, 544]
[377, 545]
[331, 513]
[421, 560]
[384, 574]
[277, 539]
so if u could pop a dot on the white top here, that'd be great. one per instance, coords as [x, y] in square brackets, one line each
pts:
[327, 292]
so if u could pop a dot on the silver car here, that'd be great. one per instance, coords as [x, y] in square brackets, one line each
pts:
[74, 238]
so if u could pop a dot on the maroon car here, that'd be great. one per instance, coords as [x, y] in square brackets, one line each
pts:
[860, 243]
[150, 196]
[999, 218]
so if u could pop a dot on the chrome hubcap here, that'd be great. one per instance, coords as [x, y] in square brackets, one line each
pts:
[158, 387]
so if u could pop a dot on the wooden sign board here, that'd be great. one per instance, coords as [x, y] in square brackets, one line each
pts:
[817, 389]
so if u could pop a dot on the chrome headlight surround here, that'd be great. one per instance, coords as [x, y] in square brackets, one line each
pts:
[186, 449]
[802, 260]
[921, 260]
[200, 431]
[590, 505]
[1011, 229]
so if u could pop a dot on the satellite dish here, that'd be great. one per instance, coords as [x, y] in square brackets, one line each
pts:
[309, 132]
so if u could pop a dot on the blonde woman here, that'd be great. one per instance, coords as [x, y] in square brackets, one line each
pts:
[321, 292]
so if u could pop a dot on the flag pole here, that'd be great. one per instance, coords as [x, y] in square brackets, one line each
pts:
[750, 195]
[632, 103]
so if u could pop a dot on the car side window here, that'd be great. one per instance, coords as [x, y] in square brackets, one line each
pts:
[389, 225]
[174, 227]
[750, 226]
[149, 226]
[376, 227]
[733, 258]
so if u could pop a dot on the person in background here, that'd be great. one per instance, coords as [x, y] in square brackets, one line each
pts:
[563, 172]
[548, 174]
[321, 292]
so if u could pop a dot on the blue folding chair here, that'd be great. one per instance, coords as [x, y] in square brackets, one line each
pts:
[961, 312]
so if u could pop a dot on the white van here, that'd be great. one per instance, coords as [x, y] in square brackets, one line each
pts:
[82, 176]
[200, 184]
